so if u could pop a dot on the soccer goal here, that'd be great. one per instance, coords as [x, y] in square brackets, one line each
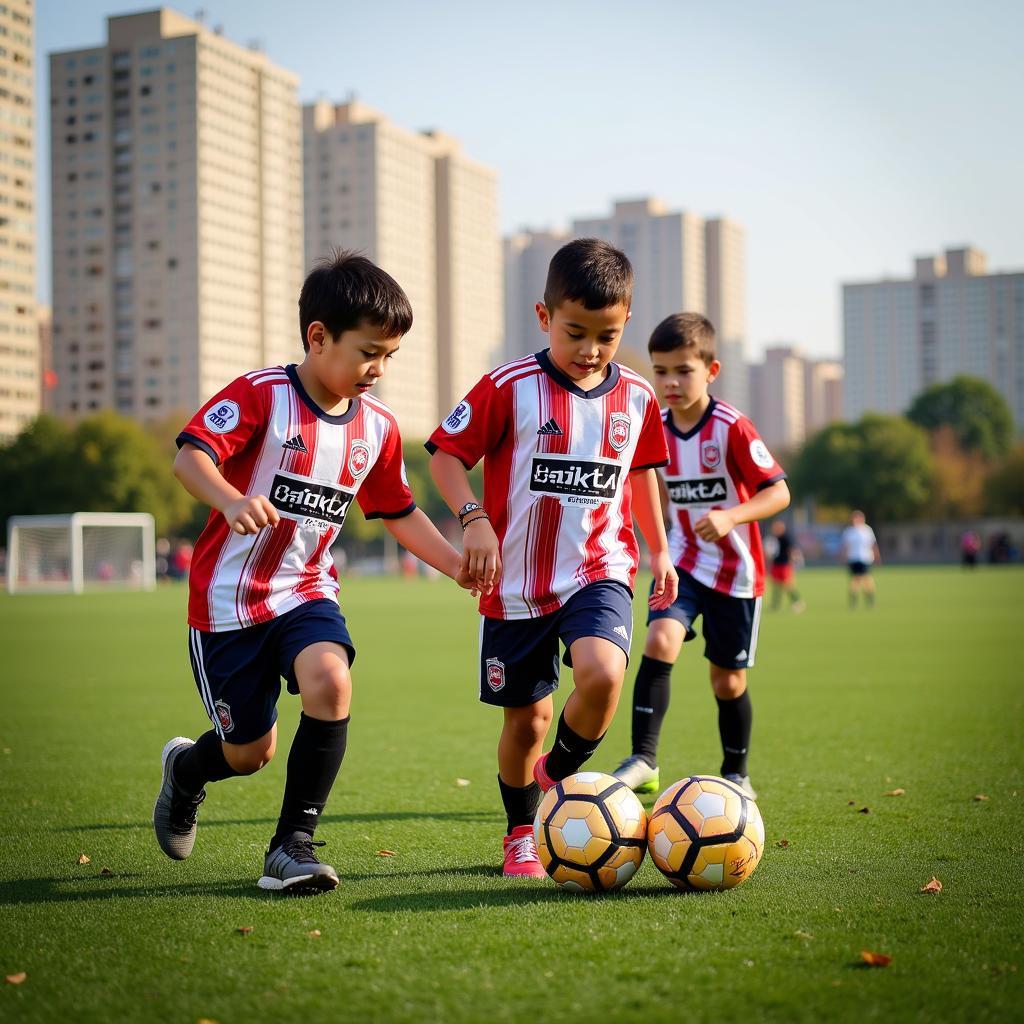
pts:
[83, 550]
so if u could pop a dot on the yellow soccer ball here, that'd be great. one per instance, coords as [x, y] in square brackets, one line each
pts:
[705, 833]
[591, 832]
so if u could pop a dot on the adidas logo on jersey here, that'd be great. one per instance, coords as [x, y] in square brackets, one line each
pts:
[551, 427]
[296, 444]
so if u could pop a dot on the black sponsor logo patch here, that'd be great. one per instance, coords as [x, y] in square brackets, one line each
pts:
[307, 499]
[575, 478]
[705, 490]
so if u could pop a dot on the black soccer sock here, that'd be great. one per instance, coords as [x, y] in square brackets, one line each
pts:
[520, 803]
[569, 751]
[313, 762]
[735, 718]
[650, 703]
[203, 762]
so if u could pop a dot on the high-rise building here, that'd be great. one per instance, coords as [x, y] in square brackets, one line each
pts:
[47, 377]
[951, 318]
[19, 342]
[177, 216]
[725, 246]
[527, 255]
[823, 393]
[416, 205]
[667, 251]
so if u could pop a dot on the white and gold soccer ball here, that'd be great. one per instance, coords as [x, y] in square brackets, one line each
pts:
[591, 832]
[705, 833]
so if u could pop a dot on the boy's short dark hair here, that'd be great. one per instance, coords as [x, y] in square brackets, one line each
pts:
[684, 330]
[345, 289]
[589, 271]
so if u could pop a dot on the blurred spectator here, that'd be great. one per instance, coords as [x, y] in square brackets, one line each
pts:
[970, 546]
[181, 561]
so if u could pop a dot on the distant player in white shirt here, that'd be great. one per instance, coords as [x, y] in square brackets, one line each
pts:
[860, 548]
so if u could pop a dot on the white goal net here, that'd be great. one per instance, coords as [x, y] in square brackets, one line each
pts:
[84, 550]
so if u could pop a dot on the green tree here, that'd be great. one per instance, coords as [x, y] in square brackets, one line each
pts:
[1004, 489]
[976, 412]
[880, 464]
[34, 468]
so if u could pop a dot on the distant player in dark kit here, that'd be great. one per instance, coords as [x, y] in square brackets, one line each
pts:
[719, 481]
[783, 554]
[569, 441]
[280, 454]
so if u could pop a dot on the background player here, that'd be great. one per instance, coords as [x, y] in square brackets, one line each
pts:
[860, 548]
[279, 455]
[719, 481]
[784, 556]
[569, 440]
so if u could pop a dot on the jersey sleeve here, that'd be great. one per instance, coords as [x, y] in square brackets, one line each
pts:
[476, 425]
[756, 464]
[651, 449]
[227, 422]
[385, 492]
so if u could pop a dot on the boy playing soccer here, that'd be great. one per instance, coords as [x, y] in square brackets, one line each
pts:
[279, 455]
[569, 441]
[720, 480]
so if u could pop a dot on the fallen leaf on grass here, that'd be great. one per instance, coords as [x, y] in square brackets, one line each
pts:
[462, 782]
[106, 873]
[980, 796]
[83, 859]
[783, 843]
[803, 935]
[933, 886]
[314, 934]
[385, 853]
[15, 979]
[206, 1020]
[875, 959]
[244, 929]
[864, 810]
[895, 792]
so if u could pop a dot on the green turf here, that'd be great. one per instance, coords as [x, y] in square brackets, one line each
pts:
[923, 694]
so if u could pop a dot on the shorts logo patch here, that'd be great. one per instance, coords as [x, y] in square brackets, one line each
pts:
[358, 458]
[224, 715]
[623, 632]
[710, 454]
[223, 417]
[618, 431]
[495, 674]
[458, 419]
[760, 454]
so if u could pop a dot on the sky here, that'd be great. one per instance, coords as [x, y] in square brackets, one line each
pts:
[846, 139]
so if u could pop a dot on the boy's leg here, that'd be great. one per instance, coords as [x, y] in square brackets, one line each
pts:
[651, 690]
[519, 747]
[735, 718]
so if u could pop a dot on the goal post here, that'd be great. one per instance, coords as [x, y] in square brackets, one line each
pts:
[80, 551]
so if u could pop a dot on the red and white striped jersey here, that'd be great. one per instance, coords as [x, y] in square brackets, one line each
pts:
[269, 437]
[720, 463]
[556, 476]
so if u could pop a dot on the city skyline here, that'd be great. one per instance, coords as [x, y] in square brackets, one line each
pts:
[836, 174]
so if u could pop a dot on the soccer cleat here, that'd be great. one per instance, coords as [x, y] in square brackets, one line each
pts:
[540, 774]
[636, 773]
[743, 781]
[521, 860]
[293, 867]
[174, 814]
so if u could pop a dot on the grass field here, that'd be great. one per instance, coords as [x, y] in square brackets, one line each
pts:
[922, 694]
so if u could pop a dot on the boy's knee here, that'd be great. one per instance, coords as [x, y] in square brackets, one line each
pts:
[328, 688]
[659, 647]
[728, 684]
[249, 758]
[530, 728]
[598, 681]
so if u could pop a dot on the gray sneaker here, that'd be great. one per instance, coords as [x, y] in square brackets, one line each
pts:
[293, 867]
[636, 773]
[743, 781]
[174, 814]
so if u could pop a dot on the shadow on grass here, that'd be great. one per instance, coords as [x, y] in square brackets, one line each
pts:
[512, 895]
[23, 891]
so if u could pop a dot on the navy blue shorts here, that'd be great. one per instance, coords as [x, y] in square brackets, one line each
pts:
[729, 623]
[519, 657]
[859, 568]
[238, 673]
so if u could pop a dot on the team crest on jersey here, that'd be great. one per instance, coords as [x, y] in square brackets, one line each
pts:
[760, 454]
[495, 674]
[358, 458]
[458, 419]
[618, 431]
[710, 454]
[223, 710]
[223, 417]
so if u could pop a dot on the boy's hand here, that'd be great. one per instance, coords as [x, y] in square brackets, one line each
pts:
[250, 513]
[715, 525]
[666, 582]
[467, 582]
[480, 558]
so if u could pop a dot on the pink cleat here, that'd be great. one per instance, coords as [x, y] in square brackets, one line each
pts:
[540, 773]
[521, 860]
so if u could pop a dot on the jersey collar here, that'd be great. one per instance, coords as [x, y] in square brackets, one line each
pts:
[570, 385]
[685, 435]
[345, 417]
